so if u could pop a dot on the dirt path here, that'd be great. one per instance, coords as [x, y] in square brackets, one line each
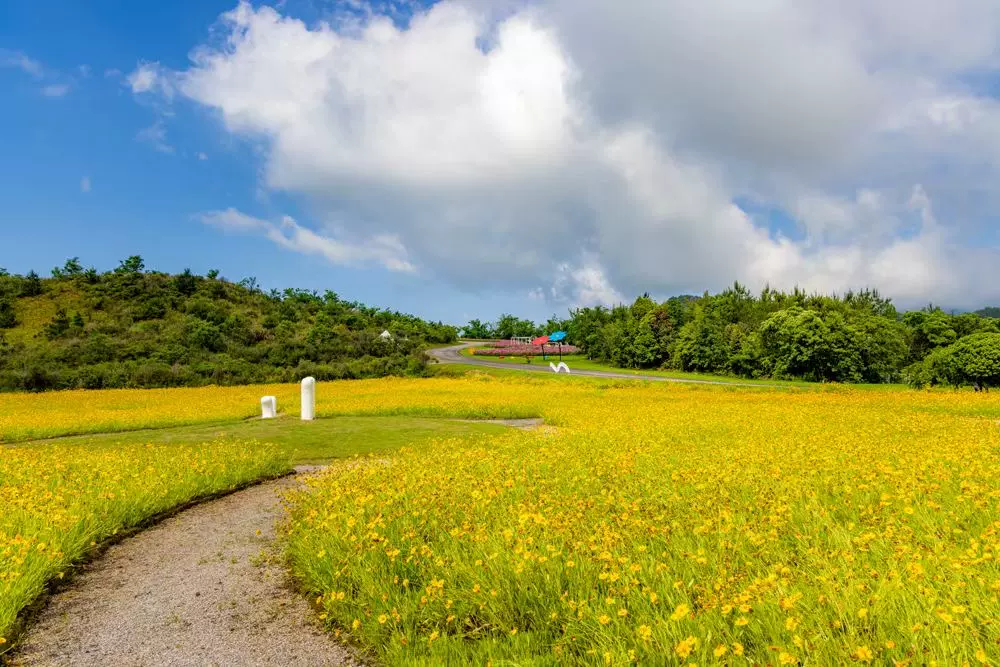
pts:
[197, 589]
[452, 355]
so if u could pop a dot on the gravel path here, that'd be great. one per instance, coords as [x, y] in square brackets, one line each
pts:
[203, 587]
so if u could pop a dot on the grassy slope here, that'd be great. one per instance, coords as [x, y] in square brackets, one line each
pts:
[304, 442]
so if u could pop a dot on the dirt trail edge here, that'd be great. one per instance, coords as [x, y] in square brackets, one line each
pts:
[204, 587]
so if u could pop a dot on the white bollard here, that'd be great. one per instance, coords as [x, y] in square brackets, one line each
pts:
[309, 399]
[268, 407]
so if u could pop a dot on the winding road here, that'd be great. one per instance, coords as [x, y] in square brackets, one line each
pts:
[453, 355]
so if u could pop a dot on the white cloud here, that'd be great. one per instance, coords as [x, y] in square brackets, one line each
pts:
[597, 149]
[383, 249]
[202, 156]
[22, 62]
[55, 90]
[150, 77]
[156, 136]
[85, 184]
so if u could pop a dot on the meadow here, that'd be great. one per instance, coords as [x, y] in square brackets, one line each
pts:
[669, 524]
[649, 523]
[60, 502]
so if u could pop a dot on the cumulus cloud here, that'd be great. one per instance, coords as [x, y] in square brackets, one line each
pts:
[384, 250]
[580, 151]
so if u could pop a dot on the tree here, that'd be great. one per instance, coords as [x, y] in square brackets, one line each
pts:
[977, 359]
[131, 265]
[32, 285]
[8, 319]
[185, 283]
[477, 329]
[59, 324]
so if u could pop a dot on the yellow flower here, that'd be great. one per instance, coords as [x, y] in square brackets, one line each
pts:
[787, 659]
[980, 656]
[890, 644]
[863, 612]
[720, 650]
[603, 619]
[685, 646]
[681, 611]
[737, 648]
[645, 632]
[742, 620]
[863, 653]
[434, 635]
[382, 619]
[356, 624]
[791, 623]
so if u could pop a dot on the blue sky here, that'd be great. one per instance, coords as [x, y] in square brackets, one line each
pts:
[142, 200]
[583, 156]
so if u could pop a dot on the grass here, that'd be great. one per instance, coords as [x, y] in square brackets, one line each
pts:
[63, 497]
[580, 362]
[668, 524]
[317, 441]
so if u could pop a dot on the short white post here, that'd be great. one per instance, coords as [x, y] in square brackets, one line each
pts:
[268, 407]
[309, 399]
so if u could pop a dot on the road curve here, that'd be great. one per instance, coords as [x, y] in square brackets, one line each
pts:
[451, 355]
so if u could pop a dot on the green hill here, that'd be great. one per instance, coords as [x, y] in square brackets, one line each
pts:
[136, 328]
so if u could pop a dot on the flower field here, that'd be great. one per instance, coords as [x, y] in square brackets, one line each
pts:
[51, 414]
[57, 502]
[511, 350]
[665, 524]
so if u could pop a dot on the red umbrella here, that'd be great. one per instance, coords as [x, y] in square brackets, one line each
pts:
[541, 340]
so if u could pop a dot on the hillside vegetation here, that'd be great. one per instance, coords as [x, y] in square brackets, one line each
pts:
[136, 328]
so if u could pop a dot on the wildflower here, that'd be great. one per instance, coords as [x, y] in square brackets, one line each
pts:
[681, 611]
[685, 646]
[645, 632]
[720, 650]
[863, 653]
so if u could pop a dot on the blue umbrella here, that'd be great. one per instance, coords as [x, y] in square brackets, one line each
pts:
[557, 336]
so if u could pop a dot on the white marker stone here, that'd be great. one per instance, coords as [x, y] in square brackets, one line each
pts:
[268, 407]
[309, 399]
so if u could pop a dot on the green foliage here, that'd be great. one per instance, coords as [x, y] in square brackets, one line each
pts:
[859, 337]
[133, 328]
[8, 319]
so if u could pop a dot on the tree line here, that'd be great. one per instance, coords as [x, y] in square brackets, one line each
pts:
[859, 337]
[132, 327]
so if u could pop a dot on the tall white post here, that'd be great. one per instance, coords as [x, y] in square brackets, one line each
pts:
[309, 399]
[268, 407]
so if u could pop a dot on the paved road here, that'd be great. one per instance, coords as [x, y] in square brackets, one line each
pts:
[450, 355]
